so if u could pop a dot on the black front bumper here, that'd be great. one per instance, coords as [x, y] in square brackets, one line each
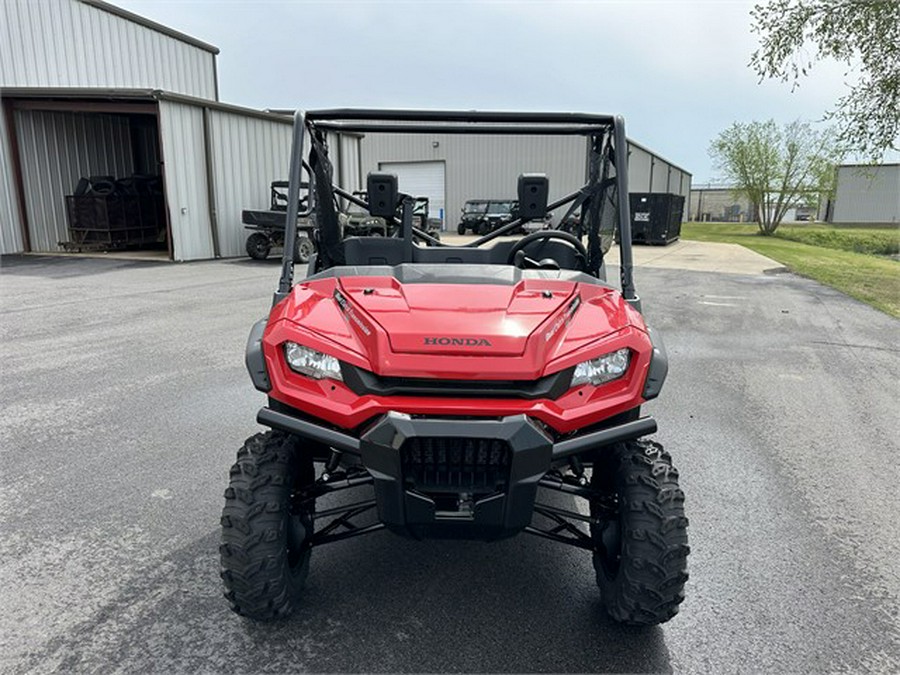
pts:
[472, 478]
[452, 478]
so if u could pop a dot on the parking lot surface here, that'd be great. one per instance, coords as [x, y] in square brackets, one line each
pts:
[125, 399]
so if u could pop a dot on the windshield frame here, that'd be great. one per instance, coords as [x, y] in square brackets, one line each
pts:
[606, 148]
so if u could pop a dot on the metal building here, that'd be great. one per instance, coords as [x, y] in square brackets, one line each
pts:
[214, 160]
[88, 89]
[449, 169]
[867, 194]
[720, 204]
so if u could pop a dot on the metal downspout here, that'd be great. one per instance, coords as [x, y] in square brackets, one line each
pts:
[210, 184]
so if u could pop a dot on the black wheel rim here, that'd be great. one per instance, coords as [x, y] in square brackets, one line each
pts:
[304, 250]
[260, 245]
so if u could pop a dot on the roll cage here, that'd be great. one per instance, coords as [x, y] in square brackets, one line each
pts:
[602, 201]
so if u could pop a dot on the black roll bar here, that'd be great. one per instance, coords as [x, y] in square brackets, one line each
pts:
[293, 207]
[468, 122]
[624, 212]
[363, 127]
[470, 116]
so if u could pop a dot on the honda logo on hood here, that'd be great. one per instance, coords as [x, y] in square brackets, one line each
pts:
[457, 342]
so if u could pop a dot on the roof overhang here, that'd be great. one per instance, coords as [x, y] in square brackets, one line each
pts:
[60, 96]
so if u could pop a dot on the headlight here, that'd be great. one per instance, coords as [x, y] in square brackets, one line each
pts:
[603, 369]
[311, 363]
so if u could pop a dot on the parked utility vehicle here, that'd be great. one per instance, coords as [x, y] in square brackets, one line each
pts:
[267, 227]
[356, 221]
[456, 386]
[485, 215]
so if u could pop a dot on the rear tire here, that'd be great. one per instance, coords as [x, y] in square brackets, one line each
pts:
[258, 246]
[640, 553]
[305, 248]
[266, 547]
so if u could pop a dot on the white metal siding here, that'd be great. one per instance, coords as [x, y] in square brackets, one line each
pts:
[58, 148]
[421, 179]
[247, 154]
[639, 167]
[868, 194]
[350, 173]
[184, 172]
[660, 177]
[485, 167]
[10, 228]
[66, 43]
[680, 184]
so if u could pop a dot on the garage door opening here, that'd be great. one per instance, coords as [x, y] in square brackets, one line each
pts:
[421, 179]
[90, 178]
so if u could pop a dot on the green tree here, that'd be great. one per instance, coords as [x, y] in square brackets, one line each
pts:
[864, 35]
[776, 168]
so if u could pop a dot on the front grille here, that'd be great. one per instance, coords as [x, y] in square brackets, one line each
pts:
[364, 382]
[473, 465]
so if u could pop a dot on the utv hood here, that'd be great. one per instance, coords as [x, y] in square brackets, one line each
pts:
[517, 330]
[459, 319]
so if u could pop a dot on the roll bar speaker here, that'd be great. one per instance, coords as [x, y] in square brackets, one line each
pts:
[533, 191]
[383, 194]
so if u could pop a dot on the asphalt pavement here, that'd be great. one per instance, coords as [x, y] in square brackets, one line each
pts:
[125, 399]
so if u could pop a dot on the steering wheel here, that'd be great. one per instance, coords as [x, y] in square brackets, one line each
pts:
[567, 238]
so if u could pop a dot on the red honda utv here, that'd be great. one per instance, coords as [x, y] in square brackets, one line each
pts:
[455, 389]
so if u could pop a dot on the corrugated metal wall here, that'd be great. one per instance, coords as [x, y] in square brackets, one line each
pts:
[868, 194]
[640, 167]
[489, 166]
[351, 175]
[58, 148]
[184, 162]
[248, 153]
[10, 232]
[648, 172]
[676, 184]
[483, 166]
[66, 43]
[660, 178]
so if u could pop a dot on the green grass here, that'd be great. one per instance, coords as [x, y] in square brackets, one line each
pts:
[859, 240]
[873, 279]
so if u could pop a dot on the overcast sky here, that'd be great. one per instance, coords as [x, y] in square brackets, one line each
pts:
[676, 70]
